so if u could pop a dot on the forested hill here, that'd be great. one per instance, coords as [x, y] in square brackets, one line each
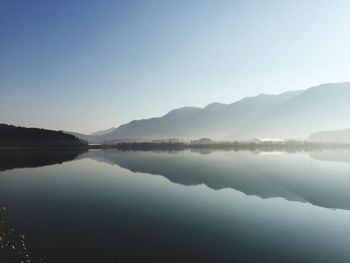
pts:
[12, 136]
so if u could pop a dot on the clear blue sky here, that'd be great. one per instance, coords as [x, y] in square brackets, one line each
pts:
[89, 65]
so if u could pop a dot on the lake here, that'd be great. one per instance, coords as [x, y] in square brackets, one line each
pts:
[186, 206]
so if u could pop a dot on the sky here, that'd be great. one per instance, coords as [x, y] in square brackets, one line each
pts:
[89, 65]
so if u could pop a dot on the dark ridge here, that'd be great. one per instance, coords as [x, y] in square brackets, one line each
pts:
[12, 136]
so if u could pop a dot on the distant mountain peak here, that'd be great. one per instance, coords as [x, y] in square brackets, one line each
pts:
[214, 106]
[103, 132]
[183, 110]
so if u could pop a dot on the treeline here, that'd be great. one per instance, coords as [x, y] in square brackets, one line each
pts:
[290, 146]
[145, 146]
[12, 136]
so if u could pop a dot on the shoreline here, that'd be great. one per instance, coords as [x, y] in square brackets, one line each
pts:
[180, 146]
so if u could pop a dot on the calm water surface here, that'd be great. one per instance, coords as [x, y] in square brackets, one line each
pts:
[221, 206]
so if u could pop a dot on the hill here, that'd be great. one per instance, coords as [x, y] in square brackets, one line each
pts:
[12, 136]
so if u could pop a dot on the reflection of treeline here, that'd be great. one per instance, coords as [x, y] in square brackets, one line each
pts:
[10, 159]
[289, 146]
[12, 136]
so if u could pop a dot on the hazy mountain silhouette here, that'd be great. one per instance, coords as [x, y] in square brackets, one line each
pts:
[12, 136]
[324, 107]
[294, 114]
[102, 132]
[218, 121]
[338, 136]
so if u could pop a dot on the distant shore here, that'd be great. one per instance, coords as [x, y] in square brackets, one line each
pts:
[236, 146]
[180, 146]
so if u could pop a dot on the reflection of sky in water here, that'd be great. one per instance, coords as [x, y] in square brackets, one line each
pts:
[97, 211]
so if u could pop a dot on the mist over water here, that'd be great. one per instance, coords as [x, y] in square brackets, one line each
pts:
[207, 206]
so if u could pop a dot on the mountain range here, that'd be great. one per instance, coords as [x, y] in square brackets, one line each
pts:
[293, 114]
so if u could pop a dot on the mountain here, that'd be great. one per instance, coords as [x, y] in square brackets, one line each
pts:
[102, 132]
[338, 136]
[12, 136]
[323, 107]
[293, 114]
[217, 121]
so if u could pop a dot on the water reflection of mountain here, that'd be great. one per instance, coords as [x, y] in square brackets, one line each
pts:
[10, 159]
[295, 177]
[339, 155]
